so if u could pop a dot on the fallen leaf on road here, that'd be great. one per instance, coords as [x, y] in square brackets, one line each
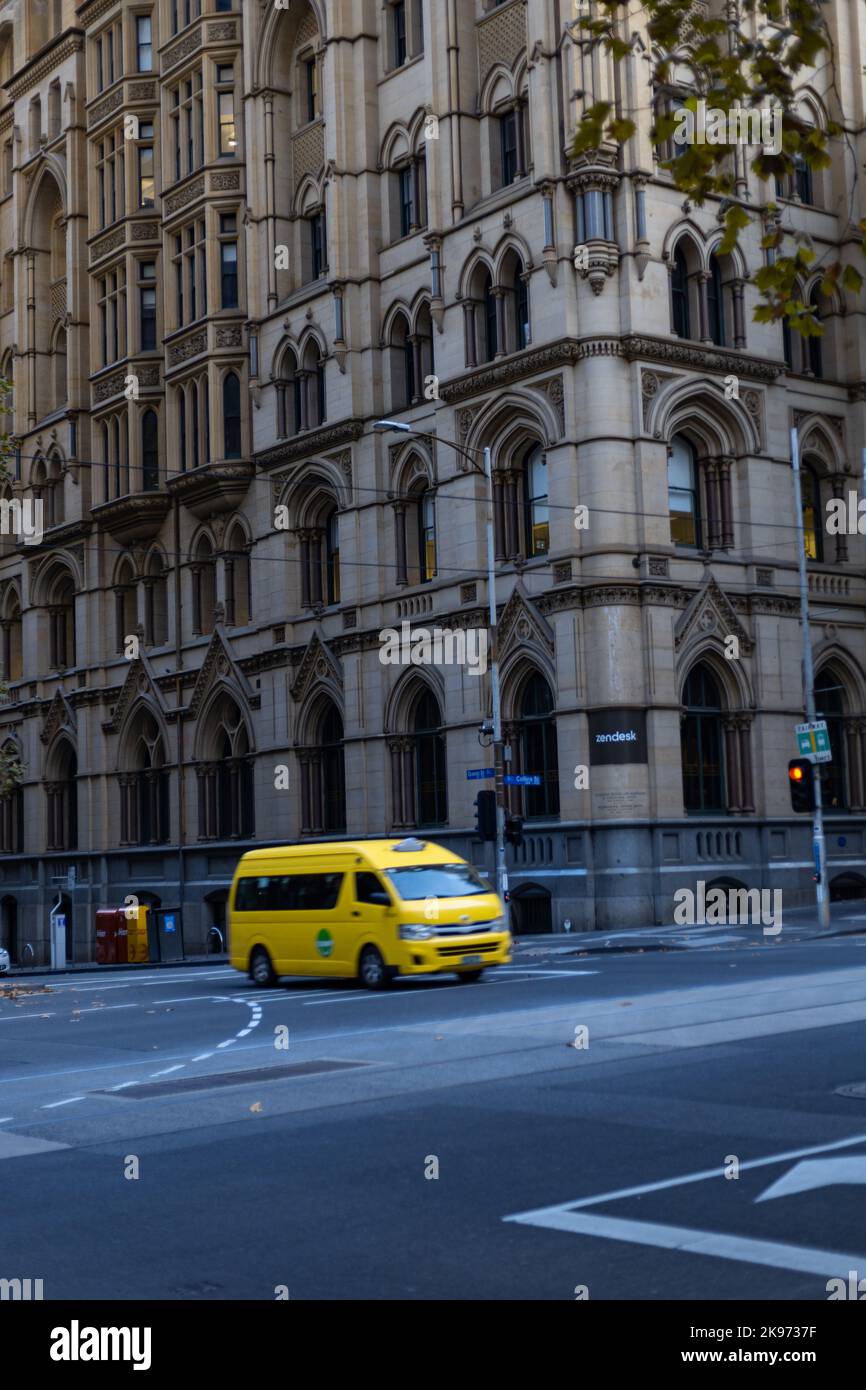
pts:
[257, 1108]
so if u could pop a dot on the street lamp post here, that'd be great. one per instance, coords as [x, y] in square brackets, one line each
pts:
[498, 752]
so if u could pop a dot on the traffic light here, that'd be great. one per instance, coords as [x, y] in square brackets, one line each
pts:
[485, 815]
[801, 780]
[514, 830]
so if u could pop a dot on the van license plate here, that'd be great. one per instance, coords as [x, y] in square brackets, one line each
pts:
[471, 960]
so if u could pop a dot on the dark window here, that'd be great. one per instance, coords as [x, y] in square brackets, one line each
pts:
[701, 739]
[366, 885]
[538, 748]
[311, 83]
[491, 339]
[816, 355]
[680, 295]
[289, 893]
[683, 499]
[715, 303]
[232, 417]
[318, 256]
[399, 23]
[144, 42]
[333, 771]
[509, 154]
[813, 534]
[521, 294]
[430, 776]
[803, 179]
[229, 273]
[829, 706]
[535, 504]
[407, 201]
[147, 309]
[150, 450]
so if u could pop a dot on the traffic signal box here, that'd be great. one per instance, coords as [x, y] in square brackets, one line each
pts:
[485, 815]
[801, 780]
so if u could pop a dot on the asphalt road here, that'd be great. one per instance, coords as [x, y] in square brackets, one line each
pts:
[132, 1166]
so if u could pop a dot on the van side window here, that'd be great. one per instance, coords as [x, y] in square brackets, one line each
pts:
[365, 884]
[288, 893]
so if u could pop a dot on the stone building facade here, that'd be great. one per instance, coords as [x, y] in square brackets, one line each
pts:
[233, 236]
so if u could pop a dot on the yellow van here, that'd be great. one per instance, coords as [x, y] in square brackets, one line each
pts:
[368, 908]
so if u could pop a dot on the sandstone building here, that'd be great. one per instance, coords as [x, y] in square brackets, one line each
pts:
[232, 236]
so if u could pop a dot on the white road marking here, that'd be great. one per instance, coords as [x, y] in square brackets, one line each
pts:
[122, 1085]
[70, 1100]
[203, 1057]
[17, 1018]
[167, 1070]
[571, 1217]
[818, 1172]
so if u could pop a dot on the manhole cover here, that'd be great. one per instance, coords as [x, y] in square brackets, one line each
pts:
[255, 1076]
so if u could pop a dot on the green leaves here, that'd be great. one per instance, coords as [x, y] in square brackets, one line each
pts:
[730, 69]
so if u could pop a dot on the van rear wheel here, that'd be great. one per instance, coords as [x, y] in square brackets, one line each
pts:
[469, 977]
[372, 970]
[261, 970]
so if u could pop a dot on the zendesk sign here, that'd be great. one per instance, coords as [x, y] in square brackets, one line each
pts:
[617, 736]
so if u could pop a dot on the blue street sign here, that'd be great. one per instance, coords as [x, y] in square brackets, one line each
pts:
[523, 780]
[476, 773]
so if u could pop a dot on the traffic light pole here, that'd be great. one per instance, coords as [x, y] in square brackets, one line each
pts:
[822, 895]
[498, 751]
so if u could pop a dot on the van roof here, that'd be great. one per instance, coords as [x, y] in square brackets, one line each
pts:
[382, 854]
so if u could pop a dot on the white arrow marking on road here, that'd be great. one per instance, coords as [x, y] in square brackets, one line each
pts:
[818, 1172]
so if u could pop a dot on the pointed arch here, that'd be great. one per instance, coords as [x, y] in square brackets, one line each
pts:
[224, 745]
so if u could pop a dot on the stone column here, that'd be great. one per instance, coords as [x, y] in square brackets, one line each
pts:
[303, 395]
[282, 419]
[469, 332]
[853, 737]
[402, 558]
[837, 482]
[739, 314]
[747, 803]
[512, 530]
[415, 342]
[732, 764]
[304, 539]
[519, 131]
[304, 763]
[502, 346]
[499, 514]
[711, 483]
[703, 280]
[727, 511]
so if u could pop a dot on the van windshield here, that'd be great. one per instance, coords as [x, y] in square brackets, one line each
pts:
[437, 881]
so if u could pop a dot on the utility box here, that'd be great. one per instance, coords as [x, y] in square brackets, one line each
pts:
[107, 922]
[165, 933]
[136, 933]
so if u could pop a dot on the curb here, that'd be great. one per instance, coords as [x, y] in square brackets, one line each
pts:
[26, 972]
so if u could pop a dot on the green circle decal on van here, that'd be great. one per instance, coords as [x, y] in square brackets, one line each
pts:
[324, 943]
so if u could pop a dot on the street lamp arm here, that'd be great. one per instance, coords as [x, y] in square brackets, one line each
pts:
[424, 434]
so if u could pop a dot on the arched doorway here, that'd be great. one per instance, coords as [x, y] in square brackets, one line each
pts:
[9, 927]
[531, 913]
[216, 909]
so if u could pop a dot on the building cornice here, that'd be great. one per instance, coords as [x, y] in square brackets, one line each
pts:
[312, 443]
[45, 63]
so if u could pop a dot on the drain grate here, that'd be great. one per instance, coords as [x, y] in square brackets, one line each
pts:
[254, 1076]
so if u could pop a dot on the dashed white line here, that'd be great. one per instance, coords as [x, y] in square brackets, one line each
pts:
[70, 1100]
[167, 1070]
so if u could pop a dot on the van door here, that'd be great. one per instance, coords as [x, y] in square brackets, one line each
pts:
[370, 919]
[317, 921]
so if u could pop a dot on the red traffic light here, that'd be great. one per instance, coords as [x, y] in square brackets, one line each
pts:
[795, 773]
[801, 784]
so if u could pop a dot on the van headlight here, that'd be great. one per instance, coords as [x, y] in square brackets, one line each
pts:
[415, 931]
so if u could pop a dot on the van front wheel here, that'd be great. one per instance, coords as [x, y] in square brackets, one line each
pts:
[261, 971]
[372, 969]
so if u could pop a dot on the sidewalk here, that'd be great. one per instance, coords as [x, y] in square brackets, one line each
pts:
[799, 924]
